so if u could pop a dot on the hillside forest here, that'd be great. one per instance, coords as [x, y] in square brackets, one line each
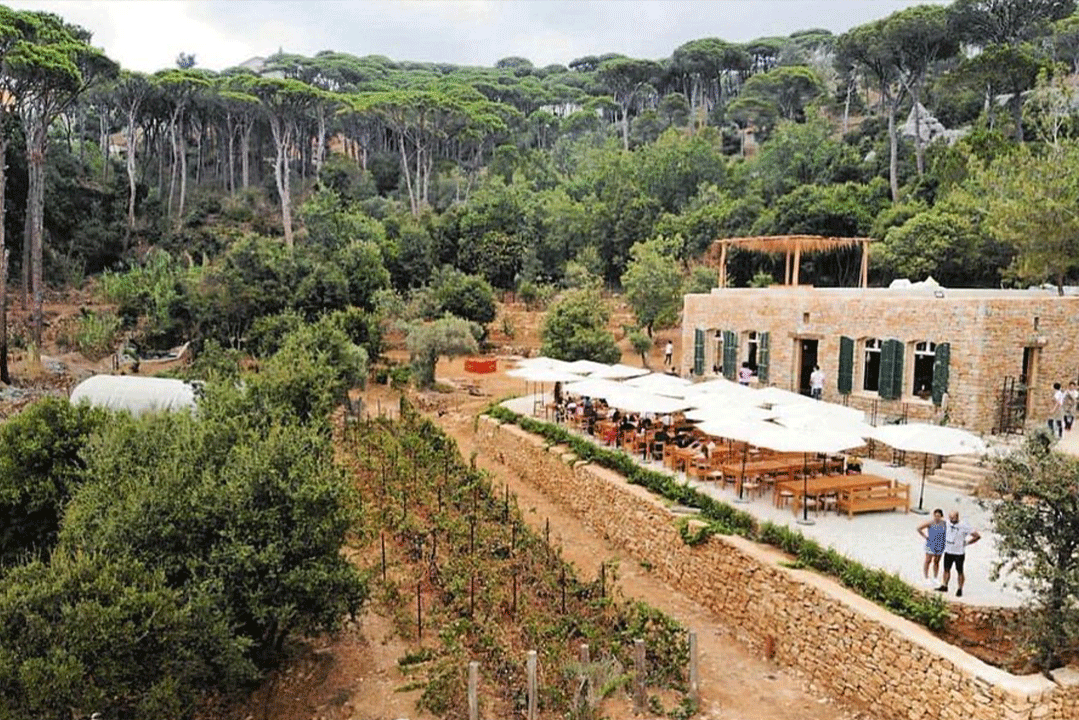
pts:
[293, 214]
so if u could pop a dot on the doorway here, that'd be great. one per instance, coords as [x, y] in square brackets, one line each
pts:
[807, 354]
[1028, 380]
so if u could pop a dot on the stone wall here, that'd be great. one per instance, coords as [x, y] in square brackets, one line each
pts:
[987, 330]
[850, 647]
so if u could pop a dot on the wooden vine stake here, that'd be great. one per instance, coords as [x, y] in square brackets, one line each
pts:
[583, 682]
[473, 700]
[419, 614]
[694, 670]
[531, 666]
[640, 691]
[382, 537]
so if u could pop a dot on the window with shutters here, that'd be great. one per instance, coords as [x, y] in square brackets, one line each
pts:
[763, 356]
[871, 364]
[717, 352]
[730, 354]
[890, 385]
[925, 355]
[940, 372]
[751, 350]
[845, 376]
[698, 352]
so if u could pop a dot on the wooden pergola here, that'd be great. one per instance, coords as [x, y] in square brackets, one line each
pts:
[792, 246]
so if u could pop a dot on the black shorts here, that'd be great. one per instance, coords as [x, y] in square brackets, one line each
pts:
[957, 560]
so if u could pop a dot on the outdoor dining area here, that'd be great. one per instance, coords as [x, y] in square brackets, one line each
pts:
[757, 444]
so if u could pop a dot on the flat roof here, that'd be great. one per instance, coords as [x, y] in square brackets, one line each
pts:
[912, 292]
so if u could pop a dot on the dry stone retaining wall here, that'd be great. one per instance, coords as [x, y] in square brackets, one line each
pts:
[850, 647]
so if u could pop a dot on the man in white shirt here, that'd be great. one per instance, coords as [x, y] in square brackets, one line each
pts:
[816, 382]
[668, 353]
[957, 536]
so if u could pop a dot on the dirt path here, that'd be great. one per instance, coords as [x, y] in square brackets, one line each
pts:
[734, 683]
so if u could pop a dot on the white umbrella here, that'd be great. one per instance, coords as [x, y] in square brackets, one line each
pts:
[728, 412]
[618, 372]
[827, 422]
[783, 439]
[931, 440]
[742, 430]
[540, 374]
[778, 396]
[660, 384]
[586, 367]
[624, 397]
[719, 387]
[820, 410]
[545, 362]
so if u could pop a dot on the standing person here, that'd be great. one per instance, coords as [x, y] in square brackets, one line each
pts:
[1056, 412]
[816, 382]
[1071, 399]
[744, 374]
[668, 353]
[957, 536]
[933, 531]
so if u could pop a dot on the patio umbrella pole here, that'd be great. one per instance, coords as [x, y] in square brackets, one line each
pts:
[921, 493]
[804, 520]
[741, 481]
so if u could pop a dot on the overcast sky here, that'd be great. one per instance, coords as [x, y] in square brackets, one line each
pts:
[147, 35]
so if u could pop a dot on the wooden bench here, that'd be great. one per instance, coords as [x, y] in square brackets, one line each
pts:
[857, 500]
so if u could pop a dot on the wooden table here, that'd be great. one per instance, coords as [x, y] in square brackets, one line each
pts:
[825, 485]
[766, 466]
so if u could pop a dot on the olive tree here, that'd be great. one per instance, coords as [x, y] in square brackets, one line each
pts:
[1037, 523]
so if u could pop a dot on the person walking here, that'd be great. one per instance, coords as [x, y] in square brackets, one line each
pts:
[668, 353]
[933, 532]
[816, 382]
[957, 537]
[1056, 412]
[745, 374]
[1071, 399]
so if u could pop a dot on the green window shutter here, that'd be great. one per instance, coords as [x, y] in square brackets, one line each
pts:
[698, 352]
[887, 370]
[764, 353]
[730, 355]
[897, 370]
[940, 372]
[845, 381]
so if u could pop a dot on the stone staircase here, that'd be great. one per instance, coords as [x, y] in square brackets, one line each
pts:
[961, 472]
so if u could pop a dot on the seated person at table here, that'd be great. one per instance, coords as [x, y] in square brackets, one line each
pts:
[645, 423]
[616, 416]
[683, 440]
[854, 464]
[661, 435]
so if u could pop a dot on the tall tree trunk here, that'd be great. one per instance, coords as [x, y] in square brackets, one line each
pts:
[408, 177]
[231, 153]
[26, 254]
[320, 142]
[132, 143]
[36, 138]
[625, 127]
[182, 148]
[5, 375]
[198, 157]
[281, 136]
[103, 141]
[846, 107]
[245, 154]
[919, 145]
[893, 159]
[174, 165]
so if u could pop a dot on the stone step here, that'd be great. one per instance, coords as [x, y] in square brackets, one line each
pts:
[973, 474]
[964, 485]
[969, 460]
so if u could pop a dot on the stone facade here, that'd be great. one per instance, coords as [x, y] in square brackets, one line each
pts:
[850, 647]
[989, 333]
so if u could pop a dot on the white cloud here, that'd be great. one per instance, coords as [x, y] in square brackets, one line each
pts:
[148, 36]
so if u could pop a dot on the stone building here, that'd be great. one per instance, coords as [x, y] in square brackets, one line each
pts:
[985, 358]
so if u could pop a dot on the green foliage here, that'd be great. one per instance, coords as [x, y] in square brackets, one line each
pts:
[95, 333]
[449, 336]
[465, 296]
[41, 468]
[155, 290]
[1031, 200]
[653, 283]
[1036, 521]
[93, 632]
[642, 343]
[576, 329]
